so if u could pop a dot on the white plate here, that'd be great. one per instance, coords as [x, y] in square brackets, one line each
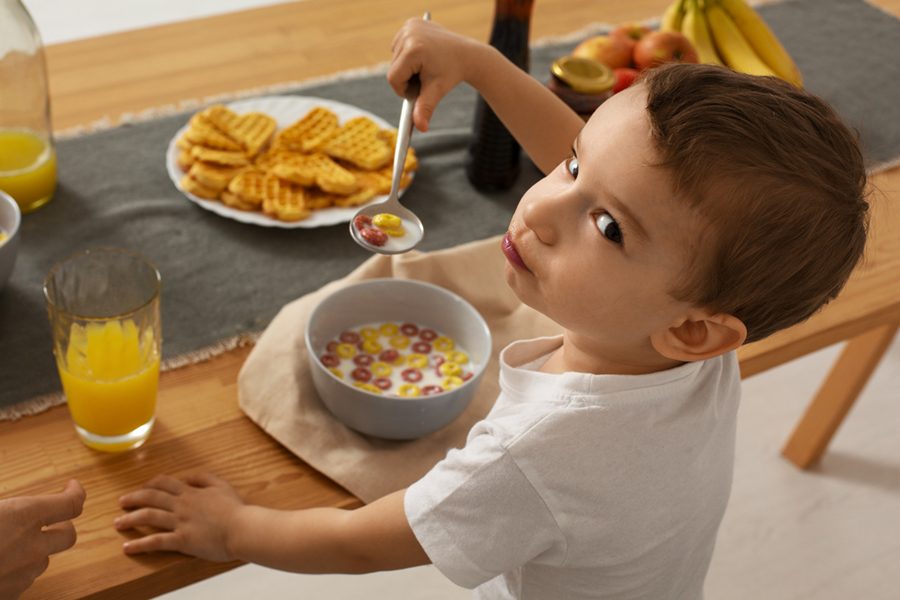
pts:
[286, 110]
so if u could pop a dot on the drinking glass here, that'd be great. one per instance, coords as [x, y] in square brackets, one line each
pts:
[103, 306]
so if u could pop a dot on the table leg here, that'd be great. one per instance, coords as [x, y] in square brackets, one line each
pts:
[844, 383]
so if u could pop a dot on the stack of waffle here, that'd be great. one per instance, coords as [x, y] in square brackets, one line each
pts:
[315, 163]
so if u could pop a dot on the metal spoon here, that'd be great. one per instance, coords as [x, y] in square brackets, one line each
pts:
[412, 225]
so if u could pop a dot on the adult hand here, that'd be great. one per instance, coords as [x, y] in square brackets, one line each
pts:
[193, 514]
[31, 529]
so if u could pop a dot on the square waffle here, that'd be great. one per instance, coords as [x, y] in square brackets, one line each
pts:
[228, 158]
[308, 133]
[283, 199]
[316, 169]
[249, 186]
[358, 142]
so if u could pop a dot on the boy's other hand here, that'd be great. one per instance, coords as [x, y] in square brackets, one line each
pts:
[192, 515]
[440, 58]
[31, 529]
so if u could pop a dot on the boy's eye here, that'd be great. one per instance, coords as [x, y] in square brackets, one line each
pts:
[609, 228]
[572, 166]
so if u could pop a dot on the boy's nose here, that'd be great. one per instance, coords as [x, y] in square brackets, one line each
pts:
[541, 215]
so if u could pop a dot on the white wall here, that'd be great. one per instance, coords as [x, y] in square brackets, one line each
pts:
[67, 20]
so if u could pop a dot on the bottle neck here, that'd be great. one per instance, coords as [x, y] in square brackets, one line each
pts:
[520, 10]
[17, 29]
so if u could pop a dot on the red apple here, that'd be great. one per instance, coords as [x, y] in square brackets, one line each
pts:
[624, 78]
[614, 52]
[661, 47]
[632, 31]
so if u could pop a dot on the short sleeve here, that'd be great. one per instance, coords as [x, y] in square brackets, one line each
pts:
[477, 516]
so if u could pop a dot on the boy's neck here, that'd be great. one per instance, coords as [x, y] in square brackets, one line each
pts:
[581, 356]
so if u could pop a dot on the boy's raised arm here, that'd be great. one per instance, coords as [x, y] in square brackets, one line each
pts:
[542, 123]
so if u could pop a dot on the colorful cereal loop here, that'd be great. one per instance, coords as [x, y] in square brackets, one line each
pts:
[387, 221]
[450, 369]
[346, 350]
[369, 333]
[458, 356]
[443, 344]
[391, 356]
[389, 329]
[451, 382]
[337, 372]
[408, 390]
[399, 341]
[367, 387]
[417, 361]
[370, 347]
[381, 369]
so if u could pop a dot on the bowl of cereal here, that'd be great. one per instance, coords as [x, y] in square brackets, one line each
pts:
[10, 219]
[396, 358]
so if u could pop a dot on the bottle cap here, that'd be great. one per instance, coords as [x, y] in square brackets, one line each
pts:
[583, 75]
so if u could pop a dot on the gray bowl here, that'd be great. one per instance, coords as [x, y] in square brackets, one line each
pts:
[396, 300]
[10, 219]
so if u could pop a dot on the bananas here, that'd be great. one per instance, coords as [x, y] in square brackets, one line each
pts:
[763, 41]
[695, 28]
[731, 33]
[672, 18]
[735, 49]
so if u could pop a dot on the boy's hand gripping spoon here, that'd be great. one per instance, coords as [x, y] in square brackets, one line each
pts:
[362, 229]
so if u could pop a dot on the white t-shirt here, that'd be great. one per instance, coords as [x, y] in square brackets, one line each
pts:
[585, 486]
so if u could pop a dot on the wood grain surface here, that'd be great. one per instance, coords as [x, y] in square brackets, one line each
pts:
[200, 426]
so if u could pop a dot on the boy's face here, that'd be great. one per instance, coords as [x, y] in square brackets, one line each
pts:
[597, 243]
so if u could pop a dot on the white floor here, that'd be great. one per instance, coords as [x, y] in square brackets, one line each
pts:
[829, 534]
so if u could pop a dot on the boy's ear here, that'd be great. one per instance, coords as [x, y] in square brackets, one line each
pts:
[700, 336]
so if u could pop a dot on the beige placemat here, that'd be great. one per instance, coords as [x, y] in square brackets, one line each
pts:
[275, 386]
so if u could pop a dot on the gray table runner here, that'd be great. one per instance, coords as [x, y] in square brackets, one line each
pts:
[222, 278]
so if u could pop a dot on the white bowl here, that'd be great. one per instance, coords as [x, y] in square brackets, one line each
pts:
[10, 220]
[395, 300]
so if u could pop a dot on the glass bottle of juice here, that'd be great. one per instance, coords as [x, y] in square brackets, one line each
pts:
[493, 161]
[27, 155]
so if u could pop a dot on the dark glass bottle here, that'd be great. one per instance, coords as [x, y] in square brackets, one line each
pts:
[493, 162]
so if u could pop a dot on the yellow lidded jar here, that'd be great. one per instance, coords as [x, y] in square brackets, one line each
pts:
[582, 83]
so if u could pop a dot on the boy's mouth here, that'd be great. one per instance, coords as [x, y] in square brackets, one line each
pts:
[512, 255]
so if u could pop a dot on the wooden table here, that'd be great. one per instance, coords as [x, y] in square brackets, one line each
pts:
[199, 423]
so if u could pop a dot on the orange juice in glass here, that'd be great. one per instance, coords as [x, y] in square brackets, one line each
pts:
[104, 312]
[27, 168]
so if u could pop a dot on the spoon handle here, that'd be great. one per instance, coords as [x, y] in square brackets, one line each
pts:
[404, 129]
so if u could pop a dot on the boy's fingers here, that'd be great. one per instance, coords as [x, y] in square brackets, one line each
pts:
[53, 508]
[146, 517]
[395, 42]
[426, 105]
[421, 117]
[203, 479]
[153, 543]
[166, 484]
[398, 77]
[148, 497]
[59, 537]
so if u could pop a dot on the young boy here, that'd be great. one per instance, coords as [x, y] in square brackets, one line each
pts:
[695, 211]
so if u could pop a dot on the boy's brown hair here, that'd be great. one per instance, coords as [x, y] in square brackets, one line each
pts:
[778, 178]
